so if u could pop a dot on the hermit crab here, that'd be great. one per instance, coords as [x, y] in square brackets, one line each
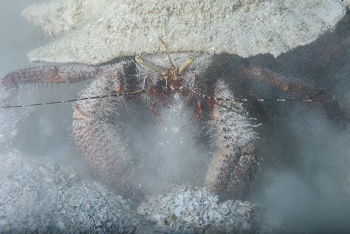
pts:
[210, 98]
[193, 88]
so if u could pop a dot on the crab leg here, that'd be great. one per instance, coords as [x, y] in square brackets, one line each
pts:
[234, 164]
[49, 74]
[296, 87]
[97, 135]
[302, 91]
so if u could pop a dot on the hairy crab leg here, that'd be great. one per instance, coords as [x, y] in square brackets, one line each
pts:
[49, 74]
[234, 163]
[44, 75]
[302, 91]
[296, 87]
[94, 120]
[97, 135]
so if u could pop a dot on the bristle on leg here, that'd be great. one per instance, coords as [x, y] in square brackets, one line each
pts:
[234, 164]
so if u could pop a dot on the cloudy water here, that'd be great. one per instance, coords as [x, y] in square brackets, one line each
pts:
[303, 182]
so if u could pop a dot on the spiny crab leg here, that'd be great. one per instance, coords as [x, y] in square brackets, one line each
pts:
[303, 91]
[47, 74]
[294, 86]
[234, 164]
[103, 147]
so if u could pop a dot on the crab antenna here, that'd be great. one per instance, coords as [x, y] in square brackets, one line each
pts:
[185, 64]
[167, 51]
[113, 94]
[258, 99]
[142, 61]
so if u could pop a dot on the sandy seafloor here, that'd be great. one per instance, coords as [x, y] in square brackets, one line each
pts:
[303, 184]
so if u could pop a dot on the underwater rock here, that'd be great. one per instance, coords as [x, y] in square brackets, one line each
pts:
[97, 31]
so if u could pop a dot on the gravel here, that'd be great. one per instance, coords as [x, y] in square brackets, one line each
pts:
[44, 196]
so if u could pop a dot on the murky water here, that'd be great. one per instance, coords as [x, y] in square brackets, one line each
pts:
[303, 181]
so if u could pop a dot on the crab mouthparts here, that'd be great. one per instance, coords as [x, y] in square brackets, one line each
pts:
[176, 86]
